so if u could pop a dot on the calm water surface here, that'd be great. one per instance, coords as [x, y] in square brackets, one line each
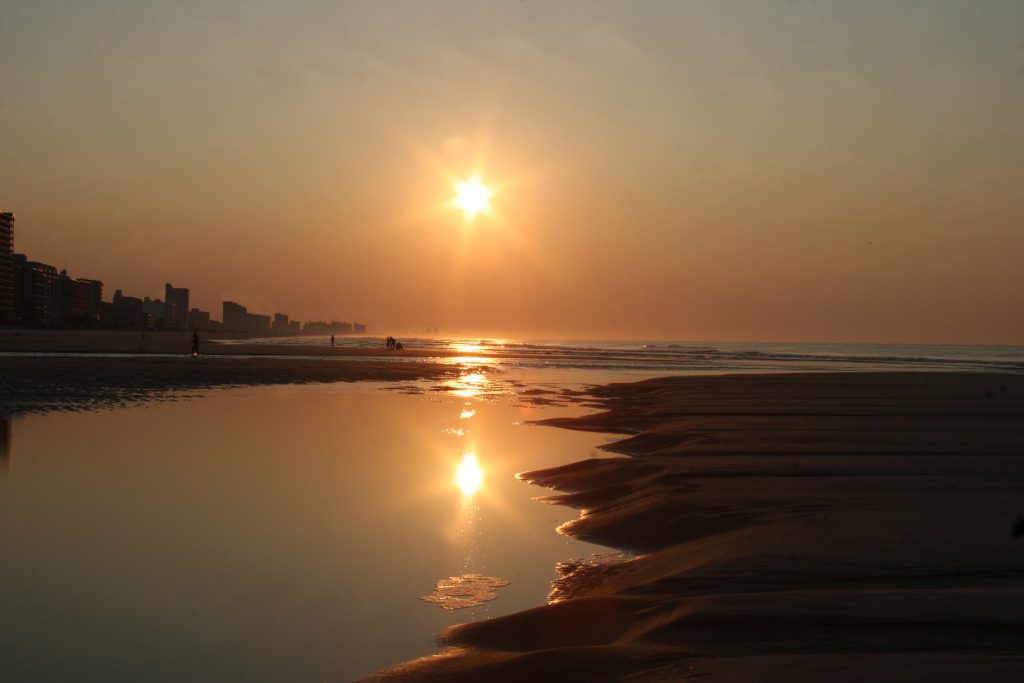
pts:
[267, 534]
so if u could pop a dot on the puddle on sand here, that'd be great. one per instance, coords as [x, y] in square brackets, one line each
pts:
[468, 590]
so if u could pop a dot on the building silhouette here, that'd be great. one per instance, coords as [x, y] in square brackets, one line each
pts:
[257, 325]
[234, 317]
[198, 321]
[6, 267]
[79, 301]
[128, 312]
[176, 303]
[35, 292]
[280, 324]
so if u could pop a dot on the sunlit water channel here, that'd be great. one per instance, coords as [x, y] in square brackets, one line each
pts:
[270, 534]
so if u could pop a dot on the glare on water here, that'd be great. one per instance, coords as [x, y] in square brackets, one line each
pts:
[469, 475]
[469, 385]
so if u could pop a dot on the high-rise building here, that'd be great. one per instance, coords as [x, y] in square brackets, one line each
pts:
[88, 300]
[156, 310]
[280, 324]
[6, 267]
[198, 321]
[176, 303]
[235, 317]
[35, 292]
[257, 325]
[128, 312]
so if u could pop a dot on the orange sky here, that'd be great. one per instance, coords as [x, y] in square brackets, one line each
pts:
[812, 171]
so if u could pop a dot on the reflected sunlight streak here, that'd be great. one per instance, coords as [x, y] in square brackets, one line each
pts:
[469, 385]
[469, 476]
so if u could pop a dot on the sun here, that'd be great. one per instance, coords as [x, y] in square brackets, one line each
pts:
[472, 196]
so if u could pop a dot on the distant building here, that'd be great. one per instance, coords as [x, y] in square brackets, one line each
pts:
[35, 301]
[333, 327]
[198, 321]
[280, 324]
[155, 310]
[235, 317]
[78, 301]
[316, 327]
[6, 267]
[128, 312]
[257, 325]
[176, 307]
[108, 314]
[86, 301]
[358, 328]
[294, 327]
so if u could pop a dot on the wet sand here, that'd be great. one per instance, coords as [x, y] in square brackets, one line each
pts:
[104, 341]
[840, 527]
[39, 384]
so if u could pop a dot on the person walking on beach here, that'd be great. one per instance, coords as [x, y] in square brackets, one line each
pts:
[332, 341]
[195, 344]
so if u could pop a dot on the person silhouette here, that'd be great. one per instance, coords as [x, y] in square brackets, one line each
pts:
[332, 341]
[195, 344]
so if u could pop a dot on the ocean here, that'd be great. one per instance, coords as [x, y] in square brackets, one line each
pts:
[672, 357]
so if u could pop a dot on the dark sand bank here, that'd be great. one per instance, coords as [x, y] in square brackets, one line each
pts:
[829, 527]
[44, 383]
[105, 341]
[160, 367]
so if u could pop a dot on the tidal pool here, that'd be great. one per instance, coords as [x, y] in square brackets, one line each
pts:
[269, 534]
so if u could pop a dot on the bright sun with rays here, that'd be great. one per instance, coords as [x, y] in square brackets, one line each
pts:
[472, 196]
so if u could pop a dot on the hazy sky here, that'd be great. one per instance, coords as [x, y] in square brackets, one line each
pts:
[803, 171]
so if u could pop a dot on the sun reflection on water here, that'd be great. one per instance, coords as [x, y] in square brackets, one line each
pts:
[469, 476]
[469, 385]
[467, 347]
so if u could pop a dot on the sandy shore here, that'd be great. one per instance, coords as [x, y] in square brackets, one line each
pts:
[38, 384]
[13, 340]
[103, 341]
[828, 527]
[160, 367]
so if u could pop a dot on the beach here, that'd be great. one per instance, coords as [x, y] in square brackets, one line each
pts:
[75, 370]
[774, 527]
[841, 527]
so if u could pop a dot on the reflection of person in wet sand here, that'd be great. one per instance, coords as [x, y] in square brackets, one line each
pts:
[5, 442]
[195, 344]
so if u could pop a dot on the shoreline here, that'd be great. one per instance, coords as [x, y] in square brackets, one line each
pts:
[40, 384]
[803, 527]
[778, 522]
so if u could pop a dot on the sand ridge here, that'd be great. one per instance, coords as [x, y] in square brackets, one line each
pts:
[841, 527]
